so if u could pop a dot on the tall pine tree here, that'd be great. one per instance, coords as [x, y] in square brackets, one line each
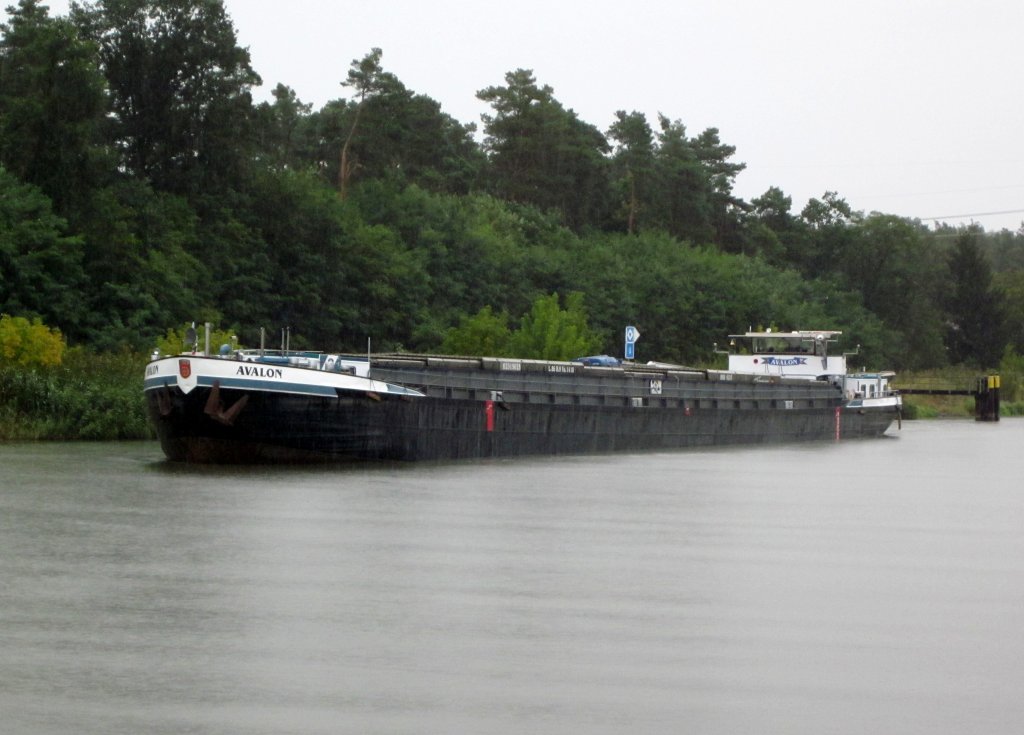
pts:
[975, 310]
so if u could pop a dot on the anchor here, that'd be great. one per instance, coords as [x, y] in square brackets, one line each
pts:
[164, 402]
[215, 408]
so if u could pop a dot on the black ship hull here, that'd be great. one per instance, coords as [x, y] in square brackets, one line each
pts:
[480, 413]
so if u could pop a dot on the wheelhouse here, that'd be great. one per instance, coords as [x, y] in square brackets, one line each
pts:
[793, 354]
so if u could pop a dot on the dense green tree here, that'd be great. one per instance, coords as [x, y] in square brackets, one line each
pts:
[405, 139]
[526, 253]
[329, 273]
[633, 166]
[542, 154]
[1011, 285]
[433, 230]
[366, 78]
[1004, 249]
[484, 333]
[52, 105]
[474, 251]
[140, 265]
[414, 142]
[888, 262]
[684, 299]
[676, 183]
[721, 173]
[393, 135]
[830, 210]
[41, 272]
[180, 89]
[551, 332]
[305, 279]
[773, 209]
[236, 259]
[771, 229]
[547, 332]
[324, 134]
[684, 207]
[281, 127]
[830, 229]
[974, 308]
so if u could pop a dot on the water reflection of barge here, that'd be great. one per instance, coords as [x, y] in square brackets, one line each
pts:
[258, 406]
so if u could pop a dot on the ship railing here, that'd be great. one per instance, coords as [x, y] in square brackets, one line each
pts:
[589, 384]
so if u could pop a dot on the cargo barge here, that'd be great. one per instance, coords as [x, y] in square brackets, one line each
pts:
[252, 406]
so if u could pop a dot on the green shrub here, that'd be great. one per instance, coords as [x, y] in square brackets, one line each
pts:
[90, 396]
[29, 343]
[546, 332]
[1013, 408]
[1011, 376]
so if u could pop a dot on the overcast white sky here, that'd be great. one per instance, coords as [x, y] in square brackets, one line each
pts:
[908, 107]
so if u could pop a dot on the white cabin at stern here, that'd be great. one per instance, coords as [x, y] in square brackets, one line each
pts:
[789, 354]
[805, 355]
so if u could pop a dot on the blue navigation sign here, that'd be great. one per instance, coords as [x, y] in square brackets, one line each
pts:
[632, 335]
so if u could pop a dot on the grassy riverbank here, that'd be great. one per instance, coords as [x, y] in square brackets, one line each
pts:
[927, 407]
[89, 396]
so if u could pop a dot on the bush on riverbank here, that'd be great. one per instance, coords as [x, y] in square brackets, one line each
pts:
[89, 396]
[29, 343]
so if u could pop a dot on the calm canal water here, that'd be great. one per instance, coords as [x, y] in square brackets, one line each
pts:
[862, 587]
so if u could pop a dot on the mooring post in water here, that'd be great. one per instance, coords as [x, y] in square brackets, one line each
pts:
[986, 399]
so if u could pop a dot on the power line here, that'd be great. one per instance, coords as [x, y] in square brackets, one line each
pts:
[936, 191]
[976, 214]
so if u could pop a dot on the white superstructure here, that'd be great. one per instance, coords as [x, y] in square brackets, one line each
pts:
[805, 354]
[789, 354]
